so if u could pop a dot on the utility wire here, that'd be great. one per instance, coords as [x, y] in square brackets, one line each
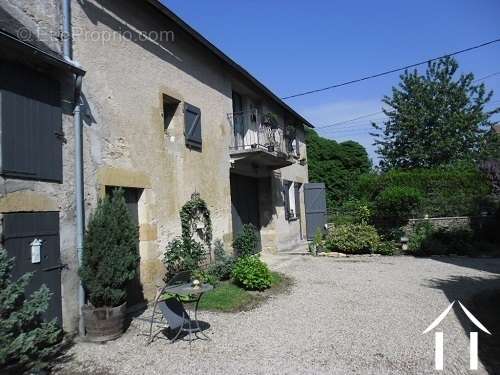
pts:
[390, 71]
[348, 121]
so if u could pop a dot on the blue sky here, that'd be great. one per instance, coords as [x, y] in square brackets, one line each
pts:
[296, 46]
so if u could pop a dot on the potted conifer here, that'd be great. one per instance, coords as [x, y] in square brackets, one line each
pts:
[109, 261]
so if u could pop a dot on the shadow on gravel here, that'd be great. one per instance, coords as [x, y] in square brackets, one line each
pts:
[482, 297]
[482, 264]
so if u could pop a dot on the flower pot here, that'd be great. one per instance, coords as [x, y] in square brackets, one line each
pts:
[103, 323]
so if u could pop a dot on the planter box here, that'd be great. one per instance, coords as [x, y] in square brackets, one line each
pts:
[103, 323]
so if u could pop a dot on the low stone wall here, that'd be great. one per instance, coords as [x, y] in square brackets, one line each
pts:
[454, 222]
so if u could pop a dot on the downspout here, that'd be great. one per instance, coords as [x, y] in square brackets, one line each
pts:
[77, 121]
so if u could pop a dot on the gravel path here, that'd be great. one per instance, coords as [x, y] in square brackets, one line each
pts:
[343, 316]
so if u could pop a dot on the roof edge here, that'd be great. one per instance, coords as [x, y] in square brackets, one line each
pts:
[200, 38]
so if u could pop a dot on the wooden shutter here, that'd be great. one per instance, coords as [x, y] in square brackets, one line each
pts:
[31, 124]
[286, 198]
[315, 207]
[192, 131]
[297, 199]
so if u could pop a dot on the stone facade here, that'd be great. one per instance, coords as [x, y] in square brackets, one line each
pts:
[131, 72]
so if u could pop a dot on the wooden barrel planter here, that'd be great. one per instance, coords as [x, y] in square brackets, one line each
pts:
[103, 323]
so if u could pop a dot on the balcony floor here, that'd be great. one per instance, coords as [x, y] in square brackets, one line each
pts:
[260, 157]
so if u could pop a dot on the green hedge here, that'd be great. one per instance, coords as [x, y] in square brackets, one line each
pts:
[445, 191]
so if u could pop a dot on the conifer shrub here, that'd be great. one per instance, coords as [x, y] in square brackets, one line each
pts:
[246, 242]
[111, 256]
[26, 341]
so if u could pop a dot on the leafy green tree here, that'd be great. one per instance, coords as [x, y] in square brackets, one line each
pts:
[338, 165]
[434, 119]
[26, 341]
[111, 254]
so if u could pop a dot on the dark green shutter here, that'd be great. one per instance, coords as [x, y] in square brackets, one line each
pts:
[31, 124]
[192, 131]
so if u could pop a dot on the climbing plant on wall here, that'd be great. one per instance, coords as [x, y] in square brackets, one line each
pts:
[186, 253]
[194, 211]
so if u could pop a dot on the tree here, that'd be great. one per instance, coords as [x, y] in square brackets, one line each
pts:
[110, 257]
[338, 165]
[434, 119]
[26, 341]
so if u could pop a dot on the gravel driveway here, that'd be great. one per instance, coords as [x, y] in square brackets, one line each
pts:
[342, 316]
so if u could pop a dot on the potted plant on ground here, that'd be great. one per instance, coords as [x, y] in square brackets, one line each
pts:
[109, 261]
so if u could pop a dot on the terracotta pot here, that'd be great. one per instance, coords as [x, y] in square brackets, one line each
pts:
[103, 323]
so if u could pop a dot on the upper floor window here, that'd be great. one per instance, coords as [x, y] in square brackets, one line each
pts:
[30, 124]
[169, 109]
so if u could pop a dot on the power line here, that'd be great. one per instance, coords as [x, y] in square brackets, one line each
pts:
[348, 121]
[486, 77]
[390, 71]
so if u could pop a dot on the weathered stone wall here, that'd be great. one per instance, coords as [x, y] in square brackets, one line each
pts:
[42, 21]
[455, 222]
[128, 144]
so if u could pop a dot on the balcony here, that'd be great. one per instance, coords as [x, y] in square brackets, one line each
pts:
[258, 141]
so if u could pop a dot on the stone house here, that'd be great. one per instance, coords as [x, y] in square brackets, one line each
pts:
[165, 114]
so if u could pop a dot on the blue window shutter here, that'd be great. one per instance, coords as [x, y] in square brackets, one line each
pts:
[192, 130]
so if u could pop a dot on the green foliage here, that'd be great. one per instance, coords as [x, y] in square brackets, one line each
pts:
[396, 204]
[434, 119]
[26, 342]
[251, 273]
[111, 256]
[352, 239]
[429, 240]
[338, 165]
[191, 213]
[421, 232]
[445, 191]
[386, 248]
[353, 211]
[222, 268]
[226, 297]
[182, 255]
[246, 241]
[185, 253]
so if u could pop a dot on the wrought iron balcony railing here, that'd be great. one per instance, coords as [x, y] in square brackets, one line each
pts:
[250, 131]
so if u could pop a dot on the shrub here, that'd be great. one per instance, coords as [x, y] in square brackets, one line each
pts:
[427, 240]
[222, 268]
[26, 342]
[386, 248]
[353, 211]
[421, 231]
[182, 255]
[396, 204]
[352, 238]
[251, 273]
[110, 257]
[246, 242]
[454, 190]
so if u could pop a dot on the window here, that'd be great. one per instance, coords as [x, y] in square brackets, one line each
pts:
[30, 124]
[192, 129]
[169, 108]
[291, 194]
[292, 141]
